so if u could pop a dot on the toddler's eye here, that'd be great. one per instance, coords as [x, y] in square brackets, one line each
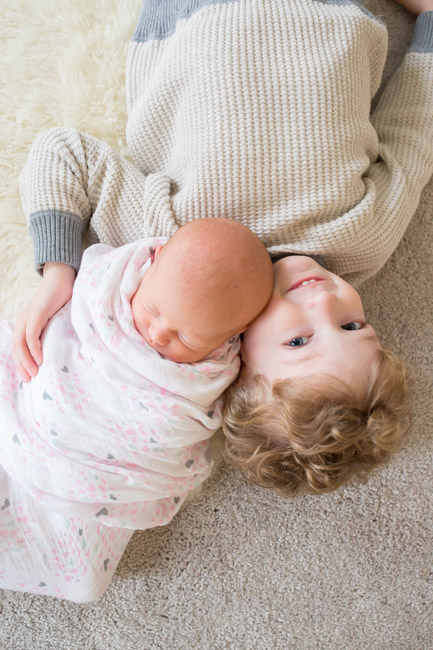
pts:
[298, 342]
[353, 326]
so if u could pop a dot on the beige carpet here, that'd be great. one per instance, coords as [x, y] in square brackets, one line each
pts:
[239, 567]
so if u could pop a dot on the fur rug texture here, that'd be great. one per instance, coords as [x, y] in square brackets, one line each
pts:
[239, 568]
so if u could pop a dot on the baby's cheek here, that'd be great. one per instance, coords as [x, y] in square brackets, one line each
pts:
[140, 317]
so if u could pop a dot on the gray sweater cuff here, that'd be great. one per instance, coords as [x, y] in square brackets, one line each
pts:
[57, 237]
[422, 39]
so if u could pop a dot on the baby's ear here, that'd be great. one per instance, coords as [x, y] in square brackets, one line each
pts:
[158, 249]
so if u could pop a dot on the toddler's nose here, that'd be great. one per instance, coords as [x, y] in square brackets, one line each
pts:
[324, 303]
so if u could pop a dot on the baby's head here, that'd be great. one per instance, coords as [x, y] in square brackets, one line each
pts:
[210, 280]
[318, 400]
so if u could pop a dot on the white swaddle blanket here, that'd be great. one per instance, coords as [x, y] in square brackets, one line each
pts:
[109, 428]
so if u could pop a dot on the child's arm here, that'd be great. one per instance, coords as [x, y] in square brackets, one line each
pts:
[403, 120]
[54, 291]
[72, 182]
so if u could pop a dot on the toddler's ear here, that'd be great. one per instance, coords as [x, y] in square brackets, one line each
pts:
[242, 376]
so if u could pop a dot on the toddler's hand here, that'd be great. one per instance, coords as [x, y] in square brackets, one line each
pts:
[54, 292]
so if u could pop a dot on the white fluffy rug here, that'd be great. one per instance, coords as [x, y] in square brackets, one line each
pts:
[239, 567]
[62, 63]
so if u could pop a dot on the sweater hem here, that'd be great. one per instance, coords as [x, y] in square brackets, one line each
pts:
[159, 21]
[57, 237]
[422, 40]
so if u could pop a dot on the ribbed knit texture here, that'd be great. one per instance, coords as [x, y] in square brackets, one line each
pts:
[422, 40]
[260, 112]
[57, 237]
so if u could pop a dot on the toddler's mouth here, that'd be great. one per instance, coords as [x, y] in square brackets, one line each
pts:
[305, 282]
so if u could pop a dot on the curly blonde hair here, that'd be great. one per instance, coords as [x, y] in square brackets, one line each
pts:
[302, 436]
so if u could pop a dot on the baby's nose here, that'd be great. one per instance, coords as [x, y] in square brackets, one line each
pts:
[158, 334]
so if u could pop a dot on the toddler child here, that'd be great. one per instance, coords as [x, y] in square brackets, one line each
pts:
[114, 429]
[319, 400]
[261, 111]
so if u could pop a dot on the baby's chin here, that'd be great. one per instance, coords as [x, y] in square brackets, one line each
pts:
[180, 358]
[189, 356]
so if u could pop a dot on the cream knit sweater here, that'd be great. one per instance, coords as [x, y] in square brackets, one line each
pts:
[259, 111]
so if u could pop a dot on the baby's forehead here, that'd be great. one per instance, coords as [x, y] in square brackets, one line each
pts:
[206, 265]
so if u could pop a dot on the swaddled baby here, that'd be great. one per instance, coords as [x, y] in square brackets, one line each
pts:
[116, 423]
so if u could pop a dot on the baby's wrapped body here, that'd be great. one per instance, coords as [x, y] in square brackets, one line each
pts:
[109, 432]
[109, 428]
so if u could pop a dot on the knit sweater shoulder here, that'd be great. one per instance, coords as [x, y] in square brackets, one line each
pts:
[256, 111]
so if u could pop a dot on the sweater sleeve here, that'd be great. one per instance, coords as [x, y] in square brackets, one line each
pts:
[403, 121]
[73, 183]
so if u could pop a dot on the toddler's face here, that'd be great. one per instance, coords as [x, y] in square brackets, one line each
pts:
[314, 323]
[169, 323]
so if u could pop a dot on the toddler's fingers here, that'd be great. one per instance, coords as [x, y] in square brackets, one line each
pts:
[34, 344]
[25, 376]
[23, 359]
[26, 365]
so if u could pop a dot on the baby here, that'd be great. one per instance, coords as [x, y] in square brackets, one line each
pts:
[115, 424]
